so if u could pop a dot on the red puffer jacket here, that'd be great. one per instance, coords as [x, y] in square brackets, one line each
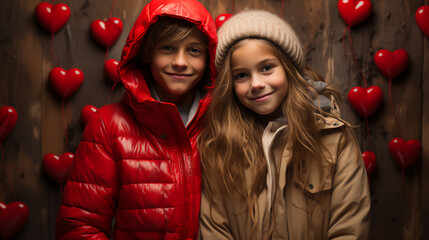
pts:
[137, 163]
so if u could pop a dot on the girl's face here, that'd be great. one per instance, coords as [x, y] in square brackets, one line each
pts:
[260, 81]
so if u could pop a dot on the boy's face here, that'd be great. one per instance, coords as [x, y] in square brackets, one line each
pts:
[177, 68]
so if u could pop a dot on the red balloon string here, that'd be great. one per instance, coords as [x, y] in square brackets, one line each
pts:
[105, 56]
[344, 38]
[283, 5]
[393, 108]
[66, 146]
[52, 49]
[114, 85]
[68, 113]
[2, 157]
[53, 2]
[68, 118]
[355, 64]
[368, 134]
[233, 6]
[6, 172]
[110, 93]
[357, 68]
[111, 9]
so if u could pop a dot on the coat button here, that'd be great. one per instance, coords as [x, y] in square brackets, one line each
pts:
[310, 186]
[162, 136]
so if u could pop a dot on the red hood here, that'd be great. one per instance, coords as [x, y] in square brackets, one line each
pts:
[190, 10]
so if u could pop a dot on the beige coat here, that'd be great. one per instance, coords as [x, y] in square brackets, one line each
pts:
[338, 210]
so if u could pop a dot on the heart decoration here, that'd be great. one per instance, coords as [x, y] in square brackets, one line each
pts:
[422, 19]
[391, 64]
[87, 113]
[58, 167]
[354, 12]
[370, 161]
[65, 83]
[221, 19]
[8, 118]
[52, 18]
[365, 101]
[405, 153]
[111, 70]
[12, 217]
[106, 33]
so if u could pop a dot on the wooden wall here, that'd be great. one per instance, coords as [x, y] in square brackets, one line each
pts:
[400, 207]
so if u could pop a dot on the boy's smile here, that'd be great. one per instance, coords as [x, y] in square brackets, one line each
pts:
[177, 68]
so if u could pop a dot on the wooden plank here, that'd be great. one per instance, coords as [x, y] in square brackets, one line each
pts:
[21, 55]
[75, 48]
[399, 209]
[396, 28]
[424, 187]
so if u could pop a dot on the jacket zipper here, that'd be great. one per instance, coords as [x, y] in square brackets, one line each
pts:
[191, 176]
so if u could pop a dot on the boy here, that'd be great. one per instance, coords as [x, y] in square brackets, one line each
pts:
[137, 162]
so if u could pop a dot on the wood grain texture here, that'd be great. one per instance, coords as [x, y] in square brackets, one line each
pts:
[399, 202]
[424, 176]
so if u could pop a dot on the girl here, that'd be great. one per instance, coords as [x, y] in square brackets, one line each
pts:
[137, 167]
[278, 162]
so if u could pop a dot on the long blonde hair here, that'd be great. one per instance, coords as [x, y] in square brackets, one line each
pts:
[231, 140]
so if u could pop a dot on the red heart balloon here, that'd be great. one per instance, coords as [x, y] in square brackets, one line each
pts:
[12, 217]
[405, 153]
[221, 19]
[370, 161]
[106, 33]
[8, 118]
[354, 12]
[365, 101]
[391, 64]
[87, 113]
[65, 83]
[111, 70]
[422, 19]
[58, 167]
[52, 18]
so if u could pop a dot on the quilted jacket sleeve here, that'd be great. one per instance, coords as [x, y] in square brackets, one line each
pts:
[350, 200]
[89, 197]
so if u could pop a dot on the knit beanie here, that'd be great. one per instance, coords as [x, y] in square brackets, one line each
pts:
[259, 24]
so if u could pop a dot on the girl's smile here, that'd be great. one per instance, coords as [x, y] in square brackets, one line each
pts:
[261, 98]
